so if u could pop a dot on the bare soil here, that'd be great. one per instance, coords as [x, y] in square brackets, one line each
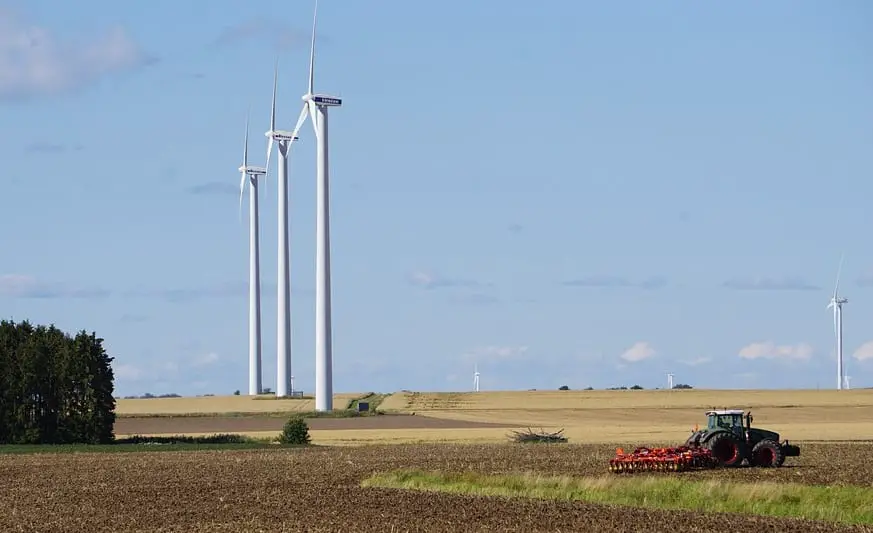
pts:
[245, 424]
[318, 489]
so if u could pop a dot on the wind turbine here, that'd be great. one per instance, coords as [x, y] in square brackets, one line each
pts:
[252, 173]
[669, 381]
[316, 105]
[837, 304]
[283, 331]
[848, 382]
[476, 377]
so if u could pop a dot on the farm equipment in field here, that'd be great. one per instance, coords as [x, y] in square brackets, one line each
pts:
[725, 441]
[677, 459]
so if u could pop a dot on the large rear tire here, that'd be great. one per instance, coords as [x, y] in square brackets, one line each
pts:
[767, 454]
[726, 449]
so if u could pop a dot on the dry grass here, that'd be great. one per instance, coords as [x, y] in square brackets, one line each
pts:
[207, 405]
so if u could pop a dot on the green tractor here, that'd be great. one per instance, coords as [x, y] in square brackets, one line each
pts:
[731, 442]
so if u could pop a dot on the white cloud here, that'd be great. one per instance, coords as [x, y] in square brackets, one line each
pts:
[865, 352]
[697, 361]
[34, 61]
[206, 359]
[429, 280]
[20, 286]
[422, 278]
[16, 284]
[127, 372]
[496, 352]
[638, 352]
[770, 350]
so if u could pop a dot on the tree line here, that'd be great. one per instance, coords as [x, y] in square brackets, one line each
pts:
[54, 388]
[634, 387]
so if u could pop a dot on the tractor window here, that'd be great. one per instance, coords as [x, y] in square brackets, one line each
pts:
[728, 422]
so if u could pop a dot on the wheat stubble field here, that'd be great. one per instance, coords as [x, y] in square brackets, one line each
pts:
[320, 488]
[486, 417]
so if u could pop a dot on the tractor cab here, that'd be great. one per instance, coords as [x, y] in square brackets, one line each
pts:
[730, 420]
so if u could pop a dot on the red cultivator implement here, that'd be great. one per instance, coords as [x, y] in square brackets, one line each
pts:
[677, 459]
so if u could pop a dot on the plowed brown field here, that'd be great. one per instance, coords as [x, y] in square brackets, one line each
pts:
[318, 489]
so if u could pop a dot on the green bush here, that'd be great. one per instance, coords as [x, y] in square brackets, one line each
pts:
[296, 431]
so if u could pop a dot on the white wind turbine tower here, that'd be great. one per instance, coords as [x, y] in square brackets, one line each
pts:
[476, 377]
[316, 106]
[284, 139]
[837, 304]
[252, 174]
[669, 381]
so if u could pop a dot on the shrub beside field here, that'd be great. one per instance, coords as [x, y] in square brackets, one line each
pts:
[841, 504]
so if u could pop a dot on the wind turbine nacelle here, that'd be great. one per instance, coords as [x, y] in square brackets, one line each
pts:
[258, 171]
[280, 135]
[329, 101]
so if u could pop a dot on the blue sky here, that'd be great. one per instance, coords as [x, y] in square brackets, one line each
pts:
[580, 193]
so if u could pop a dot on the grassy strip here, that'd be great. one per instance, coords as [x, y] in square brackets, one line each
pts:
[139, 443]
[19, 449]
[374, 399]
[840, 504]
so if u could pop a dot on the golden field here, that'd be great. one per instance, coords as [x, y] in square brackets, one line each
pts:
[586, 416]
[689, 398]
[658, 415]
[216, 405]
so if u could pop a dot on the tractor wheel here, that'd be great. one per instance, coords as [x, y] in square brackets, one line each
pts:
[767, 454]
[726, 449]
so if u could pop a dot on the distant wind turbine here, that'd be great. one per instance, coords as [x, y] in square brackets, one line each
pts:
[284, 139]
[476, 377]
[837, 304]
[251, 174]
[669, 381]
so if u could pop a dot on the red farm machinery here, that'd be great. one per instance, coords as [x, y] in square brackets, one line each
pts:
[726, 441]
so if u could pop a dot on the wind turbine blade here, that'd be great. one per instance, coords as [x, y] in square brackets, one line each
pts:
[839, 272]
[246, 140]
[301, 119]
[312, 50]
[273, 105]
[242, 181]
[314, 115]
[272, 120]
[242, 187]
[267, 164]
